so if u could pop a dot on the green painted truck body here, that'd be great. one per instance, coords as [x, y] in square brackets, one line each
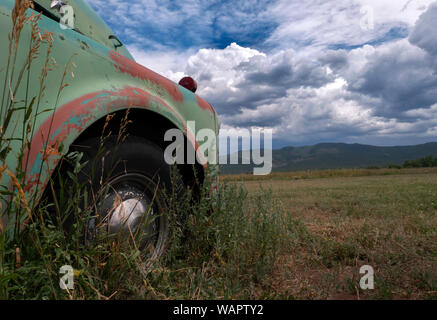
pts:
[103, 79]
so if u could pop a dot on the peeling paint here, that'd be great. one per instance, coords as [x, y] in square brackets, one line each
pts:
[136, 70]
[205, 105]
[77, 115]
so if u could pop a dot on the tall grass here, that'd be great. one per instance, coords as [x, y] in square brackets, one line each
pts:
[226, 246]
[229, 248]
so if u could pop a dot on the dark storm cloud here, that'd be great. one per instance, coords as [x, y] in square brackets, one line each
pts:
[283, 70]
[424, 34]
[336, 60]
[401, 76]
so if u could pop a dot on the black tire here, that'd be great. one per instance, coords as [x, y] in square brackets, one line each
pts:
[130, 171]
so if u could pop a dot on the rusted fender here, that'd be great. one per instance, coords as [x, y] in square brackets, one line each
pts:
[72, 118]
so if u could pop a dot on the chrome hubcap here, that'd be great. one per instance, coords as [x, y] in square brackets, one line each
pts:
[127, 216]
[127, 209]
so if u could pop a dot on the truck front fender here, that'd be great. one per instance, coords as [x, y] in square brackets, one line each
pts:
[54, 136]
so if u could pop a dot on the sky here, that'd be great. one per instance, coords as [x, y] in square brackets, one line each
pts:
[313, 71]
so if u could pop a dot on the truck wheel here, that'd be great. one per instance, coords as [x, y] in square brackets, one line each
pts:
[130, 183]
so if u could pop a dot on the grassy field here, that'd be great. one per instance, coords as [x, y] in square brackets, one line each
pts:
[289, 236]
[383, 218]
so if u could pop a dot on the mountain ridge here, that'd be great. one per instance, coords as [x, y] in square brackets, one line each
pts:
[336, 156]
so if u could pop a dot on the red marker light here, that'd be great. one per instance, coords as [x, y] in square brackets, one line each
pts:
[188, 83]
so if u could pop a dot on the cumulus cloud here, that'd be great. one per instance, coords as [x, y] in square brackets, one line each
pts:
[238, 78]
[294, 97]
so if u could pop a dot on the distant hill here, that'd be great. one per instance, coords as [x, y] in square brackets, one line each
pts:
[338, 155]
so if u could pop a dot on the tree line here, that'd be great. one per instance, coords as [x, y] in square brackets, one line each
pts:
[425, 162]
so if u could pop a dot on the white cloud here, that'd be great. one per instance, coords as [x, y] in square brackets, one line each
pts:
[316, 25]
[170, 64]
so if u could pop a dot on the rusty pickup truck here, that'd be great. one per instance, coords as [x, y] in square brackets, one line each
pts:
[80, 81]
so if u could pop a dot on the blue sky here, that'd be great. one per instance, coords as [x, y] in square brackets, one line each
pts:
[355, 71]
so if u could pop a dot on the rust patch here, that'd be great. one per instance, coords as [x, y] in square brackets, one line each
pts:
[204, 105]
[136, 70]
